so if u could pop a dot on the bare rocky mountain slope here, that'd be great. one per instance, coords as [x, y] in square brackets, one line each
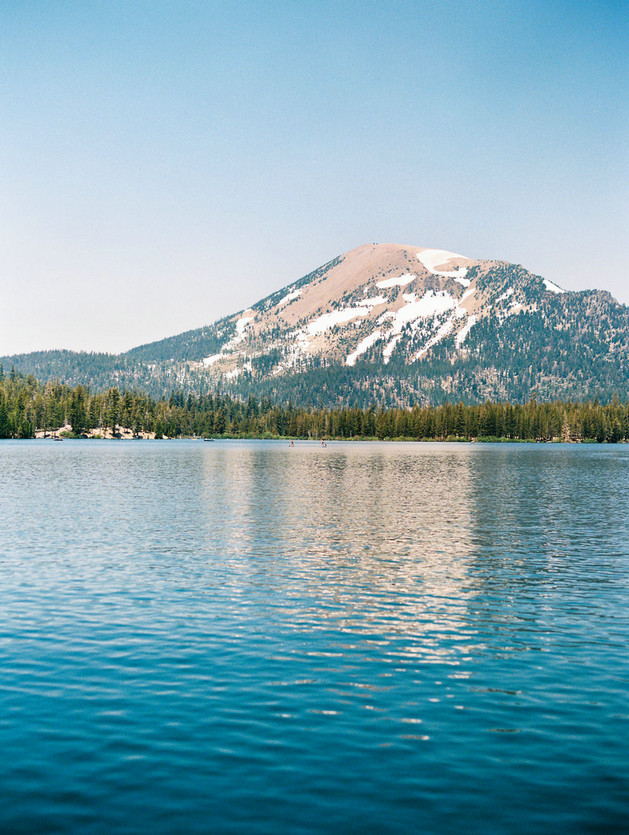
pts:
[386, 324]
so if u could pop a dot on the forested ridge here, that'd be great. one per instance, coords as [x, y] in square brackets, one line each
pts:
[27, 405]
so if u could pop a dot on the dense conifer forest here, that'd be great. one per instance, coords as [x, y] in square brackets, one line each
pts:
[27, 406]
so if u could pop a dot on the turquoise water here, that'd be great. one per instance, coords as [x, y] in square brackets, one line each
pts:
[245, 637]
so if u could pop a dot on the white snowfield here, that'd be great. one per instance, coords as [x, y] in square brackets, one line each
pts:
[415, 312]
[429, 309]
[462, 334]
[505, 295]
[363, 346]
[336, 317]
[398, 281]
[426, 311]
[552, 287]
[241, 326]
[432, 258]
[443, 330]
[430, 304]
[208, 361]
[289, 297]
[390, 347]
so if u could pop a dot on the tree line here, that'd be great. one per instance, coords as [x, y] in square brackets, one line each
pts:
[27, 405]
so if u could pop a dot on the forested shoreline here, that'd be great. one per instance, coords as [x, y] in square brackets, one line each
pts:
[27, 406]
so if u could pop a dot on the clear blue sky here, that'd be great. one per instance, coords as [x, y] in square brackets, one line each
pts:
[167, 163]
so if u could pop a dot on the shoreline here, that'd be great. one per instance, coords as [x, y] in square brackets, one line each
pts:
[93, 435]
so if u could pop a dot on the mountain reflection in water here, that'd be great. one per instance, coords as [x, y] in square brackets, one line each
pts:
[371, 541]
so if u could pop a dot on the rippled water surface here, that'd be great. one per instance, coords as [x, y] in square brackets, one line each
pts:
[248, 637]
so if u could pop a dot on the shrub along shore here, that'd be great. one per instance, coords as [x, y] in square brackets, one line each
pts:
[28, 407]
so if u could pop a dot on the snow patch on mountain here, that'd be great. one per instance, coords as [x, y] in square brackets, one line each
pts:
[363, 346]
[289, 297]
[393, 341]
[552, 287]
[397, 281]
[209, 361]
[505, 295]
[432, 258]
[442, 331]
[336, 317]
[241, 327]
[415, 312]
[462, 334]
[431, 304]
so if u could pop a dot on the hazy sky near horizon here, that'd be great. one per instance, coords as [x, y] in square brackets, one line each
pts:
[168, 163]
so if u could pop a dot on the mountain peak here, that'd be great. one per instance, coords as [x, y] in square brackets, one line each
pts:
[386, 323]
[369, 299]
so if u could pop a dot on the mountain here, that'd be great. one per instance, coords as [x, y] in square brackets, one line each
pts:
[385, 324]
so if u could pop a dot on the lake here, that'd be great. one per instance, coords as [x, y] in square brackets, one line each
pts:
[367, 637]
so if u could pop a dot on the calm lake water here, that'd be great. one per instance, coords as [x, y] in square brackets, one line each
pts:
[244, 637]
